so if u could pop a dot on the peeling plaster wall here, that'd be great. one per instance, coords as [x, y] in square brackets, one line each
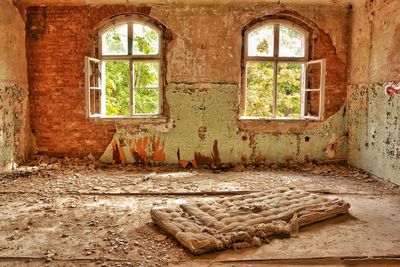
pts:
[14, 127]
[202, 91]
[374, 117]
[205, 113]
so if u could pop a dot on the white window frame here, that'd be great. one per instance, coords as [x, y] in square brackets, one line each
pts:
[89, 88]
[131, 58]
[275, 59]
[320, 89]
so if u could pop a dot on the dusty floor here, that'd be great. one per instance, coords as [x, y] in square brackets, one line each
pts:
[75, 212]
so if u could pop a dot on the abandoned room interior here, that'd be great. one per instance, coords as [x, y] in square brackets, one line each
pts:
[199, 133]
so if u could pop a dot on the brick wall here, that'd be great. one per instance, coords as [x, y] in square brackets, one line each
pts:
[58, 40]
[336, 74]
[59, 37]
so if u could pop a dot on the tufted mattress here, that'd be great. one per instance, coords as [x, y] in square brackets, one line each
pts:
[244, 220]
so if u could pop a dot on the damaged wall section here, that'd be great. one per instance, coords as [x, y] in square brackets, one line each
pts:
[374, 115]
[202, 86]
[14, 126]
[204, 130]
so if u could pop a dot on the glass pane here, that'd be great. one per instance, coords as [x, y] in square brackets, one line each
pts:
[259, 94]
[261, 41]
[146, 74]
[117, 88]
[145, 40]
[289, 86]
[312, 103]
[115, 41]
[94, 74]
[291, 42]
[95, 101]
[146, 101]
[313, 76]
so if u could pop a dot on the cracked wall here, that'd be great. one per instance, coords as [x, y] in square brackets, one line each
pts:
[14, 127]
[374, 116]
[202, 86]
[204, 116]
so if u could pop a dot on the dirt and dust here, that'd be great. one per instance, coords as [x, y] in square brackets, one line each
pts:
[80, 212]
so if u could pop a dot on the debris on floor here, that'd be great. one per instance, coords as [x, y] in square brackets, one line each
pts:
[68, 211]
[245, 220]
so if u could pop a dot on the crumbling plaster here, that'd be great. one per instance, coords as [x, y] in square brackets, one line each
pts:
[202, 86]
[14, 126]
[205, 113]
[203, 94]
[200, 53]
[203, 80]
[374, 117]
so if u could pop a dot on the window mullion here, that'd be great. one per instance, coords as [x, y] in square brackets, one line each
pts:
[103, 88]
[160, 91]
[130, 38]
[131, 88]
[276, 40]
[131, 84]
[276, 54]
[303, 89]
[275, 92]
[244, 96]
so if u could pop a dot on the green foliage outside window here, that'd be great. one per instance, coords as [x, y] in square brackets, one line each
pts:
[117, 88]
[115, 41]
[260, 82]
[145, 74]
[259, 95]
[289, 83]
[260, 75]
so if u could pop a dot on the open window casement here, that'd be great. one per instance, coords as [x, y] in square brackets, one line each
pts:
[95, 92]
[313, 89]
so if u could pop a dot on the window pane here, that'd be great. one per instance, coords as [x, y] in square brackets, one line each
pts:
[117, 88]
[94, 74]
[146, 74]
[146, 101]
[313, 76]
[288, 95]
[115, 41]
[291, 42]
[95, 101]
[145, 40]
[261, 41]
[312, 104]
[260, 84]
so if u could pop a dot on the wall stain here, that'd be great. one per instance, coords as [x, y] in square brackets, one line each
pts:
[36, 23]
[185, 163]
[159, 154]
[147, 150]
[211, 160]
[115, 152]
[121, 151]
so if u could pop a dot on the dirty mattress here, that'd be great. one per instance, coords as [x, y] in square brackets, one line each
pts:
[244, 220]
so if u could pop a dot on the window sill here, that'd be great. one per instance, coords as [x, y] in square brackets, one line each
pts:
[281, 119]
[131, 120]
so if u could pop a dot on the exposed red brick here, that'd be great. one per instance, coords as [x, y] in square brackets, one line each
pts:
[58, 39]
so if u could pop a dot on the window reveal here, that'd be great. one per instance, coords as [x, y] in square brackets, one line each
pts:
[126, 80]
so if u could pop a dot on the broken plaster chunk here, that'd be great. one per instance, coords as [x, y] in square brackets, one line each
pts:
[91, 157]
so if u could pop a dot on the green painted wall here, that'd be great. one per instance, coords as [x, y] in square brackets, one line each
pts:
[213, 107]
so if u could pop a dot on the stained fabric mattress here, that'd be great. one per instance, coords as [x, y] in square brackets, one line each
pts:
[244, 220]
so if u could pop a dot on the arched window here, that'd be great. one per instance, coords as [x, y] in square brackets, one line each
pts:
[126, 80]
[279, 82]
